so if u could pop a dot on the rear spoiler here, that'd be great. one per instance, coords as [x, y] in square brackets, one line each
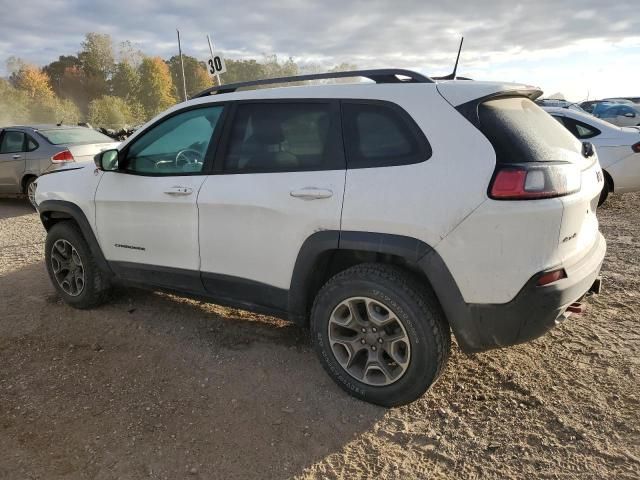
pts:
[459, 93]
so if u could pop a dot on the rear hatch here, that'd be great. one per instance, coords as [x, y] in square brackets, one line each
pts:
[552, 164]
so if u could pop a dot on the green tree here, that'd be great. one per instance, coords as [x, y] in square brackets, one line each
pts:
[97, 54]
[156, 86]
[242, 71]
[130, 54]
[97, 60]
[14, 104]
[273, 68]
[126, 81]
[195, 74]
[56, 71]
[112, 112]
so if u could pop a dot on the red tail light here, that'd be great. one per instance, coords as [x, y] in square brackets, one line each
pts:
[62, 157]
[533, 181]
[636, 147]
[550, 277]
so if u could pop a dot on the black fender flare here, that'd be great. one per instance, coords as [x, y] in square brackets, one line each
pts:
[316, 250]
[51, 211]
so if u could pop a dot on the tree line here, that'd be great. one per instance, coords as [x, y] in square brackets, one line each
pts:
[117, 86]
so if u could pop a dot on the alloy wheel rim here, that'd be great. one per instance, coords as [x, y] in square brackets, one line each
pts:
[369, 341]
[31, 193]
[67, 266]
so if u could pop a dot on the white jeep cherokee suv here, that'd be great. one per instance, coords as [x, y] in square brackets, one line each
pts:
[381, 215]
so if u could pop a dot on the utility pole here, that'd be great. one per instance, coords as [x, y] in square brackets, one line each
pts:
[184, 81]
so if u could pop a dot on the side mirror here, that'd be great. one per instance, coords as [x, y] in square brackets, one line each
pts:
[107, 160]
[630, 115]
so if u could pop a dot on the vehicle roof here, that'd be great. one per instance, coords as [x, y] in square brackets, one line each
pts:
[366, 90]
[583, 117]
[45, 126]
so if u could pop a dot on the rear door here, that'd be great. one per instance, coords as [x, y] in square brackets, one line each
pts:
[146, 212]
[626, 116]
[279, 178]
[12, 160]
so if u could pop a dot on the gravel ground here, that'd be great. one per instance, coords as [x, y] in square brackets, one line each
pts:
[156, 386]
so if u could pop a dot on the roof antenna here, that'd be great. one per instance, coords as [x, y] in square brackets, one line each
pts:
[452, 75]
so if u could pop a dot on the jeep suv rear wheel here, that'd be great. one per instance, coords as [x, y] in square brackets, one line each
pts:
[380, 334]
[72, 269]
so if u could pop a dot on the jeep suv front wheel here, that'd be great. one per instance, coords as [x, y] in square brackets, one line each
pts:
[72, 269]
[380, 334]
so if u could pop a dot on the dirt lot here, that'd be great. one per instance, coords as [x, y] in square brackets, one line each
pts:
[155, 386]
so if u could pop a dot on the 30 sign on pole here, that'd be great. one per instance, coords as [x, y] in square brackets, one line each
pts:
[215, 64]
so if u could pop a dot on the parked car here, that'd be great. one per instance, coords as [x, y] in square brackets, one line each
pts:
[381, 216]
[27, 152]
[628, 101]
[622, 115]
[618, 148]
[552, 102]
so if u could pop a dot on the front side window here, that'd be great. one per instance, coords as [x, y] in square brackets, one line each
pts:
[276, 137]
[377, 135]
[12, 142]
[176, 146]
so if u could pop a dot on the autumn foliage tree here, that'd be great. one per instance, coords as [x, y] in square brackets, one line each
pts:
[195, 74]
[156, 86]
[118, 87]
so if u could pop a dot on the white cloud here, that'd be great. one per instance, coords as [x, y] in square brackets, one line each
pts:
[501, 37]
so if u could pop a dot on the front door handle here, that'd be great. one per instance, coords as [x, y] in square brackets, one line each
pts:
[178, 191]
[16, 156]
[311, 193]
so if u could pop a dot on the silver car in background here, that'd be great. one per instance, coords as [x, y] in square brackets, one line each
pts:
[26, 152]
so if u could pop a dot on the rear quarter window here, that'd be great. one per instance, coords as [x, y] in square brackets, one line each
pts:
[520, 131]
[380, 134]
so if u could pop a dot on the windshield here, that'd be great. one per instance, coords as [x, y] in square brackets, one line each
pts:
[74, 136]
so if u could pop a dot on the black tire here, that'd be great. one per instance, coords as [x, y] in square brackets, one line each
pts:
[420, 313]
[96, 286]
[606, 189]
[27, 187]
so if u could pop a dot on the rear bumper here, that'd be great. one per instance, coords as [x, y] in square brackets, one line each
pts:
[533, 312]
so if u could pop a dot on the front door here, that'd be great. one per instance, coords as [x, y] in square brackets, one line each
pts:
[279, 179]
[146, 211]
[12, 160]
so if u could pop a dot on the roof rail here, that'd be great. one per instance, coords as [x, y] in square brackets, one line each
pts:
[388, 75]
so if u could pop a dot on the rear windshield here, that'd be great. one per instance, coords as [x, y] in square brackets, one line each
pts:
[520, 131]
[74, 136]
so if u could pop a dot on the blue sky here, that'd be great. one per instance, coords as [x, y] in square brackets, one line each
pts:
[570, 46]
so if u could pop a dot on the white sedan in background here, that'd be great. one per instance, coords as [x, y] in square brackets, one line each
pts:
[618, 148]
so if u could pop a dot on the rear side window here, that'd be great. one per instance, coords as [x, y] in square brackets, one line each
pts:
[520, 131]
[579, 129]
[277, 137]
[381, 135]
[12, 142]
[31, 144]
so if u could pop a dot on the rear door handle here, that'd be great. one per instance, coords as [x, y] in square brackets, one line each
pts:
[16, 157]
[177, 191]
[311, 193]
